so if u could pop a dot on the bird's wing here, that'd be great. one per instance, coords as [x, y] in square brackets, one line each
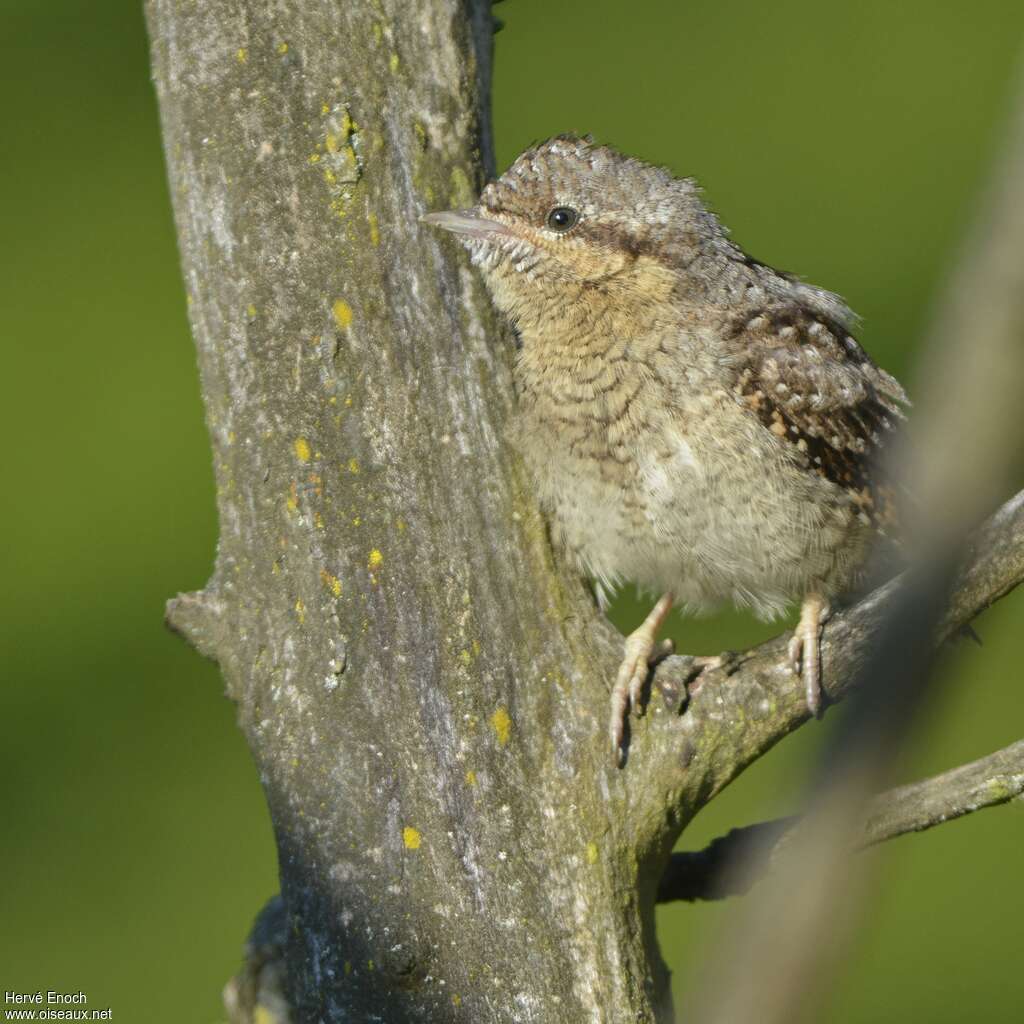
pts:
[815, 388]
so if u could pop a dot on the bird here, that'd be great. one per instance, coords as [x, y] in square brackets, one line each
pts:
[694, 421]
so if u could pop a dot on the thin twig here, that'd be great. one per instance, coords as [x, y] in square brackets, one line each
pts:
[710, 874]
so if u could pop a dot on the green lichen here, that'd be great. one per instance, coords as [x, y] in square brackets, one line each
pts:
[461, 193]
[998, 791]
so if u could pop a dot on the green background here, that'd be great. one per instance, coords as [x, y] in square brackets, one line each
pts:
[846, 142]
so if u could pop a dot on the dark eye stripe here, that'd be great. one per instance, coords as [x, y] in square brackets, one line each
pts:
[562, 219]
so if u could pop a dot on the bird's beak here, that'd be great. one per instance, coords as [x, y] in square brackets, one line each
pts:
[465, 222]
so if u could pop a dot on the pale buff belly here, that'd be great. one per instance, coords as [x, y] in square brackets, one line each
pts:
[713, 521]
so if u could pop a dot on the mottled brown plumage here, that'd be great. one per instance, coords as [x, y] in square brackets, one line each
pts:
[694, 420]
[811, 384]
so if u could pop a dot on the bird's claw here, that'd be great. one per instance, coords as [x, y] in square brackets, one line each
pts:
[808, 669]
[642, 649]
[636, 667]
[804, 650]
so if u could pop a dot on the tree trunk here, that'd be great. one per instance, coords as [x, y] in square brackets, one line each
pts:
[423, 691]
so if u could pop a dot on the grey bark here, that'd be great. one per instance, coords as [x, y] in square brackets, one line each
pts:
[420, 686]
[423, 688]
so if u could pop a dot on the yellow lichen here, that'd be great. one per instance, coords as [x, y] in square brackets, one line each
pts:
[342, 313]
[591, 853]
[411, 837]
[282, 48]
[371, 219]
[302, 450]
[501, 723]
[470, 777]
[300, 611]
[353, 465]
[242, 55]
[331, 582]
[376, 559]
[250, 310]
[393, 62]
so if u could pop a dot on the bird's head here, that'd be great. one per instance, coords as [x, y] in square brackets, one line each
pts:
[574, 233]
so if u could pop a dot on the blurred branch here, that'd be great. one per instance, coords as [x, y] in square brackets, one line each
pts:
[779, 957]
[711, 873]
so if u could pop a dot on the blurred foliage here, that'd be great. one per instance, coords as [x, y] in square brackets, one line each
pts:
[844, 142]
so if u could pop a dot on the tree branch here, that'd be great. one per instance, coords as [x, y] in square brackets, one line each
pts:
[919, 806]
[713, 873]
[738, 712]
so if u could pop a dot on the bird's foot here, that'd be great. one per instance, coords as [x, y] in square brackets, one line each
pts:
[805, 648]
[642, 649]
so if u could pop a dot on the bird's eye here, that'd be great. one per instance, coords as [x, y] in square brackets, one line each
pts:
[562, 219]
